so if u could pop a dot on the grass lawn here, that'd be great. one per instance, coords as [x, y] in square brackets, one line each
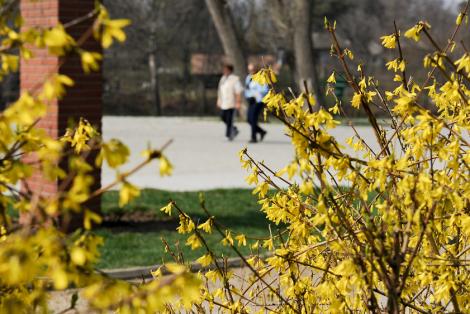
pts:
[139, 243]
[357, 121]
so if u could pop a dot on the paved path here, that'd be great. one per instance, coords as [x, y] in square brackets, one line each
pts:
[203, 159]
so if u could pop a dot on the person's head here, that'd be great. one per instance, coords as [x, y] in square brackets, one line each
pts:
[227, 69]
[252, 68]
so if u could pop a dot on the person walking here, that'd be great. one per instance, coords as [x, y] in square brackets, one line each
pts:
[254, 94]
[229, 99]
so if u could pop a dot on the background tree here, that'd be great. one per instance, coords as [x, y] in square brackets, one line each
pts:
[301, 17]
[295, 23]
[261, 27]
[223, 21]
[167, 40]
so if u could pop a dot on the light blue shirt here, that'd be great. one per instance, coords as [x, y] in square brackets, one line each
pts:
[255, 90]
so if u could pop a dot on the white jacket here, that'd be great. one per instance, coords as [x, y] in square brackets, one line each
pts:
[229, 87]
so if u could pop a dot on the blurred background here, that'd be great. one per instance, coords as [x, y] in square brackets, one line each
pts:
[171, 62]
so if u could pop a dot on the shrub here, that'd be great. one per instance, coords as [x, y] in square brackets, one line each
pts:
[362, 226]
[36, 255]
[379, 227]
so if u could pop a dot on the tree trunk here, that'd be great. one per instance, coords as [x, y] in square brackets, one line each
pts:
[154, 86]
[186, 80]
[301, 17]
[319, 90]
[223, 22]
[153, 61]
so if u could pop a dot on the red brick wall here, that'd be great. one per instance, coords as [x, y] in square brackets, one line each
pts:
[84, 98]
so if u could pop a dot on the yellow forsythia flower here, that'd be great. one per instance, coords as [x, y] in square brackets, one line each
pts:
[356, 100]
[389, 41]
[205, 260]
[241, 239]
[90, 61]
[194, 242]
[332, 78]
[167, 209]
[166, 167]
[127, 193]
[206, 226]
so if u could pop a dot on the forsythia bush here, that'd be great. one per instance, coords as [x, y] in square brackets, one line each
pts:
[363, 226]
[35, 256]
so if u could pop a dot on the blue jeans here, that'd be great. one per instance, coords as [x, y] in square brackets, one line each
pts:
[254, 110]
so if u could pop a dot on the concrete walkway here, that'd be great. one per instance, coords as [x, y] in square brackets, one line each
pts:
[202, 158]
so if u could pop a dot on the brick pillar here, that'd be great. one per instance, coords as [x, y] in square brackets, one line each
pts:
[81, 100]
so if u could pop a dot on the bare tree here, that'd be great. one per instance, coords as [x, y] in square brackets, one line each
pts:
[301, 21]
[223, 21]
[153, 79]
[293, 19]
[167, 42]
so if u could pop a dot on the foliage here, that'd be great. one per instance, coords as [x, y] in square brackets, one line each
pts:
[406, 248]
[35, 255]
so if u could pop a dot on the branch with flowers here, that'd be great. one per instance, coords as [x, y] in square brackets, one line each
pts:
[36, 255]
[362, 229]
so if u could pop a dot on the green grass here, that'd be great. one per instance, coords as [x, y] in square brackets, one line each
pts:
[357, 121]
[141, 245]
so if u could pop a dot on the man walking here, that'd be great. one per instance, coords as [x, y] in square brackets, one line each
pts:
[254, 94]
[229, 99]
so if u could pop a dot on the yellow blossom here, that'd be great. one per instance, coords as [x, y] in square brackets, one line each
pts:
[127, 193]
[389, 41]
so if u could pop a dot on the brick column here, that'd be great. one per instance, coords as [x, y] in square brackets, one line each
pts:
[81, 100]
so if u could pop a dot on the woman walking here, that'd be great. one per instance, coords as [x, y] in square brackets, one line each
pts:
[229, 99]
[254, 94]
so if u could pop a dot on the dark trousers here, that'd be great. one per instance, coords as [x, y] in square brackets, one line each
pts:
[254, 110]
[227, 117]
